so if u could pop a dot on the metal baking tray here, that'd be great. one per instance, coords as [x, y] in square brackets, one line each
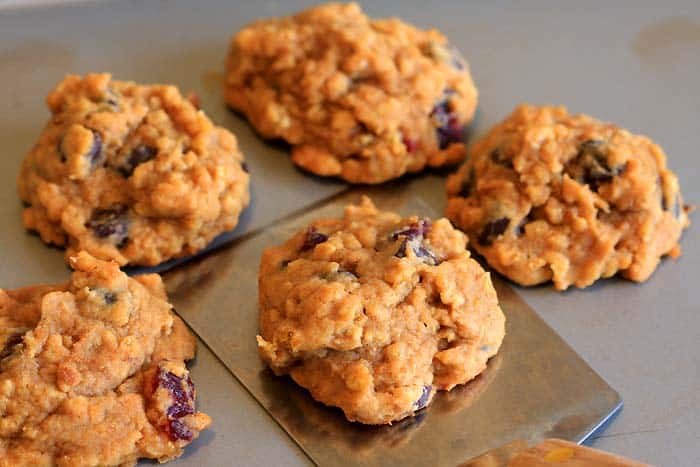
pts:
[536, 387]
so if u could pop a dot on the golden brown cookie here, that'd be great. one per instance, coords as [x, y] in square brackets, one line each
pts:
[361, 99]
[132, 173]
[92, 372]
[546, 195]
[374, 313]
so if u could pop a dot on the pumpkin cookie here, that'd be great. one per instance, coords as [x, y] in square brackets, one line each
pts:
[361, 99]
[551, 196]
[374, 313]
[131, 173]
[92, 372]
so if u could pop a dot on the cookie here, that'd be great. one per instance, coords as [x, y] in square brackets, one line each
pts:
[374, 313]
[360, 99]
[131, 173]
[92, 372]
[549, 196]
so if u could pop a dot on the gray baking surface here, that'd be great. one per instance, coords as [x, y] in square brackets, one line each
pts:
[632, 62]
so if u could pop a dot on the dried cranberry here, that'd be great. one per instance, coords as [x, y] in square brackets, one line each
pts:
[417, 229]
[313, 238]
[492, 230]
[411, 144]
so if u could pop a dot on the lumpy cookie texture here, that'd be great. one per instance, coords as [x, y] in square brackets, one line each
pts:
[92, 372]
[365, 100]
[375, 313]
[132, 173]
[546, 195]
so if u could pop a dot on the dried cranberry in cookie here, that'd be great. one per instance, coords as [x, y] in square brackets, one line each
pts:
[546, 195]
[92, 372]
[361, 99]
[129, 172]
[378, 316]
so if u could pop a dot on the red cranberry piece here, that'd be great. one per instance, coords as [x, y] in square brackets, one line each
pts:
[411, 144]
[313, 238]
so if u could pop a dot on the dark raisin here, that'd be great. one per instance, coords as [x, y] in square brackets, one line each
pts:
[140, 154]
[411, 144]
[448, 128]
[110, 223]
[182, 404]
[424, 398]
[244, 166]
[417, 229]
[313, 238]
[412, 237]
[590, 165]
[94, 155]
[110, 297]
[492, 230]
[10, 344]
[285, 263]
[499, 158]
[468, 183]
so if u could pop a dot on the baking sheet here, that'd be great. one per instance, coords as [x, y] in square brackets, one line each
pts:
[633, 62]
[536, 387]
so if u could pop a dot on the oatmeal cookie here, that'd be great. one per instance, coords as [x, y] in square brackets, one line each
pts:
[546, 195]
[374, 313]
[131, 173]
[365, 100]
[92, 372]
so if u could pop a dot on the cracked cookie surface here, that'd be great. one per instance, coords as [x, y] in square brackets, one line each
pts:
[133, 173]
[374, 313]
[360, 99]
[546, 195]
[92, 372]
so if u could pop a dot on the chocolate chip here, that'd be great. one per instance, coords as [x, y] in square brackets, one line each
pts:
[110, 223]
[425, 396]
[448, 128]
[313, 238]
[590, 165]
[140, 154]
[492, 230]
